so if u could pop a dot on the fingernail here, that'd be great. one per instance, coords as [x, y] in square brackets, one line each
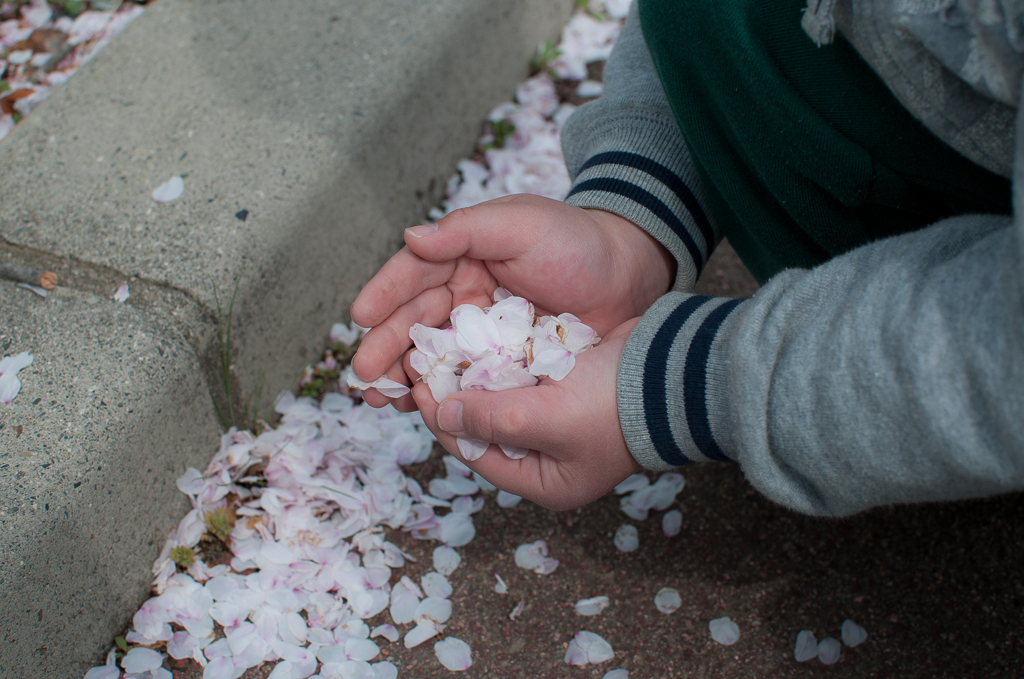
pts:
[421, 230]
[449, 416]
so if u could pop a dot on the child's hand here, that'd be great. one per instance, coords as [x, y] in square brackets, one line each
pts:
[593, 264]
[577, 452]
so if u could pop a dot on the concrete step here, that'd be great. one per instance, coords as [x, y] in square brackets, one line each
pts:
[308, 135]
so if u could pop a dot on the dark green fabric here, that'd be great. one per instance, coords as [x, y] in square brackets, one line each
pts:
[803, 151]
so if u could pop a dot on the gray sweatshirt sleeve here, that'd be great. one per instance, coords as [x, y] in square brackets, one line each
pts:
[891, 374]
[626, 155]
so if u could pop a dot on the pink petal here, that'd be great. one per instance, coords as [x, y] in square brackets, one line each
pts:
[472, 449]
[454, 654]
[446, 560]
[591, 606]
[513, 452]
[140, 659]
[10, 385]
[672, 523]
[853, 634]
[829, 650]
[626, 538]
[806, 646]
[104, 672]
[667, 600]
[121, 294]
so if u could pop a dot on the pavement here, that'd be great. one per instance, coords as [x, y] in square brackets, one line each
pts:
[308, 135]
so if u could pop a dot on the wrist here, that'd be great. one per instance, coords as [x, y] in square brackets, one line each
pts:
[647, 266]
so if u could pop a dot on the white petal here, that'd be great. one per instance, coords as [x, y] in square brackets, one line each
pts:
[828, 650]
[853, 634]
[672, 523]
[724, 631]
[435, 608]
[140, 659]
[616, 674]
[592, 606]
[103, 672]
[456, 529]
[446, 560]
[534, 557]
[423, 631]
[574, 655]
[634, 482]
[667, 600]
[626, 538]
[169, 190]
[589, 88]
[472, 449]
[454, 654]
[806, 646]
[514, 453]
[387, 387]
[10, 386]
[507, 499]
[403, 604]
[384, 670]
[121, 294]
[12, 364]
[500, 587]
[361, 649]
[435, 584]
[389, 632]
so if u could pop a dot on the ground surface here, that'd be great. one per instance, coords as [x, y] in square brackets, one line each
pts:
[937, 587]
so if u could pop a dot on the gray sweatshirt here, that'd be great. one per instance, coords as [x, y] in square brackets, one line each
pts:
[891, 374]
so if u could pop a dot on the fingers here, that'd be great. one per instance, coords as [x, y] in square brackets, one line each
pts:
[400, 280]
[378, 400]
[496, 230]
[383, 346]
[526, 418]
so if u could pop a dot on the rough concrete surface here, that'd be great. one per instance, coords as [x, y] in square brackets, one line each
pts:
[308, 134]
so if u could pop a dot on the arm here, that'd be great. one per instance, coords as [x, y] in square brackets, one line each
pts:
[892, 374]
[626, 156]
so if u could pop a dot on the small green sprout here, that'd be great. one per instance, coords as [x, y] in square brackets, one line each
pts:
[219, 524]
[183, 556]
[501, 130]
[121, 643]
[546, 53]
[4, 86]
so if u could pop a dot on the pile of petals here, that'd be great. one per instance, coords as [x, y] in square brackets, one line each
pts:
[521, 152]
[501, 347]
[30, 41]
[303, 508]
[10, 366]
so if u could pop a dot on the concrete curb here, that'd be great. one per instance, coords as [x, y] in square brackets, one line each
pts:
[332, 125]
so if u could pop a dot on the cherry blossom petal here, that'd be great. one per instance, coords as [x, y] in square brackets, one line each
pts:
[626, 538]
[724, 631]
[182, 645]
[435, 608]
[446, 560]
[631, 483]
[551, 360]
[853, 634]
[476, 334]
[384, 670]
[435, 584]
[385, 386]
[424, 630]
[806, 646]
[454, 654]
[507, 500]
[829, 650]
[389, 632]
[10, 387]
[500, 587]
[534, 557]
[456, 529]
[514, 453]
[667, 600]
[121, 294]
[672, 523]
[592, 606]
[169, 190]
[472, 449]
[588, 648]
[141, 659]
[103, 672]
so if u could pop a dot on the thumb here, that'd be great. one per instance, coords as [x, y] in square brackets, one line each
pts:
[495, 230]
[527, 417]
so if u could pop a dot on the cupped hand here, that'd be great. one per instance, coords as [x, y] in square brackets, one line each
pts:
[571, 427]
[594, 264]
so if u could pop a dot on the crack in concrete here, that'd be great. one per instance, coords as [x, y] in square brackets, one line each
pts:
[196, 321]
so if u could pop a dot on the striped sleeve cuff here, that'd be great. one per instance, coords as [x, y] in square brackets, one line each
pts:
[635, 173]
[673, 405]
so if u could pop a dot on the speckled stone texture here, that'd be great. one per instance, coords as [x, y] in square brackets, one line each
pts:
[308, 135]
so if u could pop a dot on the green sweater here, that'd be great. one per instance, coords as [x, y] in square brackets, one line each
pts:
[803, 151]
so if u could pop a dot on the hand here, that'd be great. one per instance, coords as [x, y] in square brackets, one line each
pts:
[577, 451]
[594, 264]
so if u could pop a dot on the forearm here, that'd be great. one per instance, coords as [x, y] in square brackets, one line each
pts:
[626, 156]
[891, 374]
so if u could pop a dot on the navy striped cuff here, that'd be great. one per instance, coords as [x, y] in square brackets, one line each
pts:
[667, 202]
[672, 382]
